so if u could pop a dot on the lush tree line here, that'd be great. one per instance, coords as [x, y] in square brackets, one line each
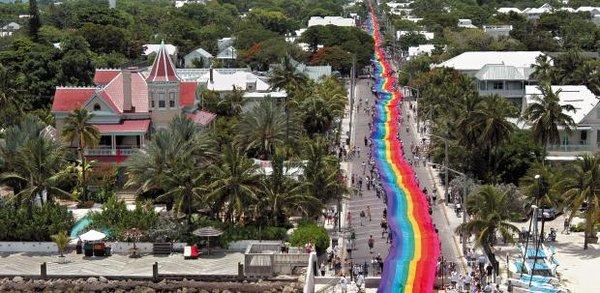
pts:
[558, 31]
[91, 35]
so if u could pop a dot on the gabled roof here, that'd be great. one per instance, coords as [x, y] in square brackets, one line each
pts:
[579, 96]
[105, 75]
[201, 52]
[163, 68]
[228, 53]
[139, 92]
[500, 72]
[66, 99]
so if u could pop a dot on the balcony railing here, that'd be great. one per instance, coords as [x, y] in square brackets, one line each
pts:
[111, 152]
[569, 148]
[504, 93]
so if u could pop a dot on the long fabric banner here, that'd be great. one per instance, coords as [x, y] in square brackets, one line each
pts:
[411, 263]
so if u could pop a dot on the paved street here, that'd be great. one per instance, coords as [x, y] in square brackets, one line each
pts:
[441, 218]
[367, 197]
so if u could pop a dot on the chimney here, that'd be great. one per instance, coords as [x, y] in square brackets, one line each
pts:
[127, 105]
[211, 74]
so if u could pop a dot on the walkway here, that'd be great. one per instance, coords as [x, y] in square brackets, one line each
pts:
[119, 265]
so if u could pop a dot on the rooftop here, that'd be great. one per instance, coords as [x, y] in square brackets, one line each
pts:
[475, 60]
[501, 72]
[331, 20]
[579, 96]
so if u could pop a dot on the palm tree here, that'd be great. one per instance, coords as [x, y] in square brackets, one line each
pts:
[171, 165]
[322, 176]
[543, 191]
[38, 166]
[286, 77]
[233, 102]
[79, 130]
[16, 136]
[283, 195]
[62, 240]
[490, 210]
[542, 69]
[234, 184]
[582, 185]
[488, 122]
[546, 115]
[183, 186]
[263, 129]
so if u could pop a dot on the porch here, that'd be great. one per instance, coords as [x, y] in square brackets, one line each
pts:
[120, 140]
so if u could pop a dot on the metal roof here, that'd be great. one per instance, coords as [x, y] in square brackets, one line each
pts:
[500, 72]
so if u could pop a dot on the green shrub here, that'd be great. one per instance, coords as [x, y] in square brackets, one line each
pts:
[37, 224]
[578, 228]
[115, 218]
[308, 231]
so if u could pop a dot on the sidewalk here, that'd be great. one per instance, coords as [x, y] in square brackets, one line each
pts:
[451, 219]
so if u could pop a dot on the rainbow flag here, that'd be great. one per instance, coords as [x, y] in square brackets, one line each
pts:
[411, 263]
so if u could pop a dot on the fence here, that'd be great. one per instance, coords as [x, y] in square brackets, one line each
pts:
[266, 259]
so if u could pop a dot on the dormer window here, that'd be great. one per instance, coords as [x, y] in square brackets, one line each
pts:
[97, 107]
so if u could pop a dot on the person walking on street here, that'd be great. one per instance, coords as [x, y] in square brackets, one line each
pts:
[362, 217]
[371, 243]
[364, 167]
[566, 226]
[344, 283]
[349, 218]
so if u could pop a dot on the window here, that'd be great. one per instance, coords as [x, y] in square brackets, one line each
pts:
[498, 85]
[97, 107]
[161, 100]
[171, 100]
[152, 104]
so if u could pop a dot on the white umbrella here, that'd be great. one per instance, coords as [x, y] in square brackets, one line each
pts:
[92, 235]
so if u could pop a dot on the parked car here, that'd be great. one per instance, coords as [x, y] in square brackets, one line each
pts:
[549, 214]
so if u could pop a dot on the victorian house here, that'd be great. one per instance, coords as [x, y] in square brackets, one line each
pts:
[129, 103]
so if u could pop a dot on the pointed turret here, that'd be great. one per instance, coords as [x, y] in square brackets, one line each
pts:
[162, 68]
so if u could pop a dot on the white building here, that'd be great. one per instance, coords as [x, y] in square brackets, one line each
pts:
[505, 73]
[508, 10]
[203, 57]
[465, 23]
[331, 20]
[498, 30]
[9, 29]
[583, 139]
[420, 50]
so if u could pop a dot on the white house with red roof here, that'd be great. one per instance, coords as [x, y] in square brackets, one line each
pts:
[128, 103]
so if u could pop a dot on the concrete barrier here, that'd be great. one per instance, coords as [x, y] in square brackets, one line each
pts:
[50, 247]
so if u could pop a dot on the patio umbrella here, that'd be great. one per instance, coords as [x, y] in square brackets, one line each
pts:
[207, 232]
[92, 235]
